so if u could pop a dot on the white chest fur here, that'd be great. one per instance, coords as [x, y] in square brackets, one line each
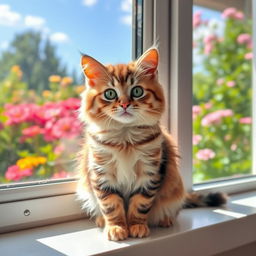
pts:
[123, 163]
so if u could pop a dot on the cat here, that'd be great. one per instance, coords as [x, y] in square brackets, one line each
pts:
[129, 177]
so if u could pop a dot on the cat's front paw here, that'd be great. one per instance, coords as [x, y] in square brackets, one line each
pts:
[139, 230]
[116, 233]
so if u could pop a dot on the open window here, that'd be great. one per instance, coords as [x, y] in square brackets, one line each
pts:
[214, 77]
[40, 84]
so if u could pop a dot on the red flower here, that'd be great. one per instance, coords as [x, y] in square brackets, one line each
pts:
[68, 127]
[15, 173]
[32, 131]
[72, 103]
[48, 111]
[19, 113]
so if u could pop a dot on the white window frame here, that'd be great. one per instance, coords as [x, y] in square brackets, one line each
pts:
[168, 23]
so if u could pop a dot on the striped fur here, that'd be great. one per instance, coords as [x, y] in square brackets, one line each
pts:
[129, 176]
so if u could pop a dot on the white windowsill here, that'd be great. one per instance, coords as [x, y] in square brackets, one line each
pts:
[198, 232]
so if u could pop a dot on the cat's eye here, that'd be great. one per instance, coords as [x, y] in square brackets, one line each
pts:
[137, 92]
[110, 94]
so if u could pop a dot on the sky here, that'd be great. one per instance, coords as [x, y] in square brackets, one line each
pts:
[100, 28]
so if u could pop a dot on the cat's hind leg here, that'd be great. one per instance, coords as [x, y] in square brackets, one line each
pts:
[164, 213]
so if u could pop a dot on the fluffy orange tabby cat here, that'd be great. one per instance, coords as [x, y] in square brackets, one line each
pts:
[129, 163]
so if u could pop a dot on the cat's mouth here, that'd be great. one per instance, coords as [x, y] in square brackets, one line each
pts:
[125, 113]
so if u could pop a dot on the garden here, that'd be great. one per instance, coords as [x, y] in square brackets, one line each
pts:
[40, 132]
[222, 96]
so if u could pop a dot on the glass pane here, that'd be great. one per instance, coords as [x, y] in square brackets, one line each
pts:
[41, 79]
[222, 89]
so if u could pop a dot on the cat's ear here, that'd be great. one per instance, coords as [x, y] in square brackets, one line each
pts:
[94, 71]
[147, 64]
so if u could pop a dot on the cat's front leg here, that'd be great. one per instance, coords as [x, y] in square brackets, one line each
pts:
[140, 204]
[112, 208]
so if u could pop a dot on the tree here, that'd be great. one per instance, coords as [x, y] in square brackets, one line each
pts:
[36, 57]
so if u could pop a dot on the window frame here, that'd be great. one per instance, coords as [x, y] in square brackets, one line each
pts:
[169, 24]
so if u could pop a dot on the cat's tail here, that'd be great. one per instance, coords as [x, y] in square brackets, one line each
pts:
[213, 199]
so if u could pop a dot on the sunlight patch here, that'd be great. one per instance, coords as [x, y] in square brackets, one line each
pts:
[233, 214]
[92, 241]
[250, 201]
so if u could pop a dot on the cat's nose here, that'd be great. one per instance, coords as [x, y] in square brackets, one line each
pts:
[125, 105]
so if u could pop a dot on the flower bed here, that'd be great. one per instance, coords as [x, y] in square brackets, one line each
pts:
[39, 132]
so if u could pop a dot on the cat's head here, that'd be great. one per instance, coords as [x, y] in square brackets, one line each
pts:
[122, 94]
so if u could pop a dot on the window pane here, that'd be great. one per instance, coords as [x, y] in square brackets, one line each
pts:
[222, 89]
[41, 79]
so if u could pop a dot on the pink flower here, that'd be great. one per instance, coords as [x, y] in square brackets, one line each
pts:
[215, 117]
[208, 48]
[66, 127]
[205, 154]
[233, 147]
[60, 175]
[197, 110]
[15, 173]
[1, 126]
[220, 81]
[229, 12]
[19, 113]
[196, 139]
[248, 56]
[244, 39]
[59, 149]
[48, 136]
[48, 111]
[209, 38]
[208, 105]
[232, 12]
[197, 21]
[239, 16]
[71, 103]
[32, 131]
[245, 120]
[231, 83]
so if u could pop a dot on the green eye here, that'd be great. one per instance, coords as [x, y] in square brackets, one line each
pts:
[110, 94]
[137, 91]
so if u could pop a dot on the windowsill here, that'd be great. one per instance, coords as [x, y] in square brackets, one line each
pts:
[202, 231]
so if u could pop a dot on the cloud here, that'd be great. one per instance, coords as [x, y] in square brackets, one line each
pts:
[4, 45]
[127, 19]
[59, 37]
[126, 7]
[89, 2]
[34, 21]
[8, 17]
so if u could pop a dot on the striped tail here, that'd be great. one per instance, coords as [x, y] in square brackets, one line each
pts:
[195, 199]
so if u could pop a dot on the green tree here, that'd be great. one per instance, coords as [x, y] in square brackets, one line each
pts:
[36, 57]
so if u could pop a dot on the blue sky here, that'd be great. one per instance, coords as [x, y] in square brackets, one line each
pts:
[100, 28]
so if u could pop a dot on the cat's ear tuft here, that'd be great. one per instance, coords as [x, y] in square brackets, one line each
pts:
[93, 70]
[148, 62]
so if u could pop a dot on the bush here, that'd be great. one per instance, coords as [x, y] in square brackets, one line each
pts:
[38, 133]
[222, 96]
